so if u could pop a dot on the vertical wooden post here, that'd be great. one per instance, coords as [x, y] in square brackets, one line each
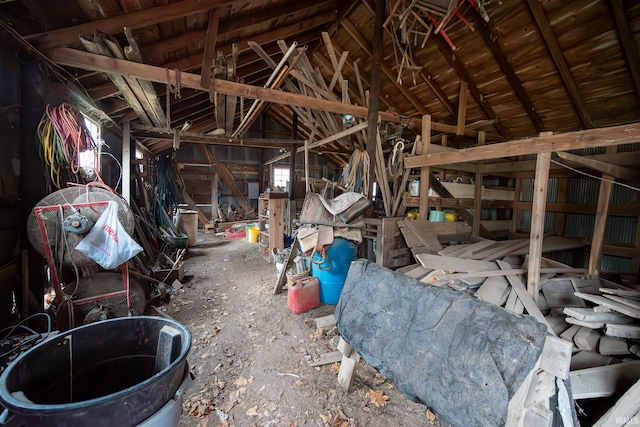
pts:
[424, 171]
[462, 108]
[374, 96]
[292, 157]
[477, 195]
[126, 161]
[271, 180]
[602, 212]
[214, 196]
[537, 223]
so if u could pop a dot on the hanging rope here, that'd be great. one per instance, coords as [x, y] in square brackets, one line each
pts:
[395, 162]
[168, 194]
[63, 136]
[358, 177]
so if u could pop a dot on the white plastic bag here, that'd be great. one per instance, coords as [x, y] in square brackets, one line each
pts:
[108, 243]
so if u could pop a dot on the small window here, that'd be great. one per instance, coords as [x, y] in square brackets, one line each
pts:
[139, 160]
[281, 177]
[89, 159]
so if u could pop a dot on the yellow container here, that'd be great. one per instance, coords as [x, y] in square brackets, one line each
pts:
[451, 217]
[254, 233]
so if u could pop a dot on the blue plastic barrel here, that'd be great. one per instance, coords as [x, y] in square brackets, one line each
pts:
[333, 271]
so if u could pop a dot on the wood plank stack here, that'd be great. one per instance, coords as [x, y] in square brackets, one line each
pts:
[593, 324]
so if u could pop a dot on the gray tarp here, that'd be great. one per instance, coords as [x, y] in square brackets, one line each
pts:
[462, 357]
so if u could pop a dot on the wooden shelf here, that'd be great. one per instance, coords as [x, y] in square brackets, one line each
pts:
[271, 226]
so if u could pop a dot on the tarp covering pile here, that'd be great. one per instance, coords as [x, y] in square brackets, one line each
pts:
[461, 357]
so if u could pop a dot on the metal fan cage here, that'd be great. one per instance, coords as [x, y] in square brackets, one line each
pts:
[49, 237]
[105, 289]
[44, 226]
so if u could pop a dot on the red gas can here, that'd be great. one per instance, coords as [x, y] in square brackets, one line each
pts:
[304, 295]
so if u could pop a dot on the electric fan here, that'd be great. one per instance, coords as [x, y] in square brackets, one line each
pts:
[55, 227]
[99, 293]
[66, 216]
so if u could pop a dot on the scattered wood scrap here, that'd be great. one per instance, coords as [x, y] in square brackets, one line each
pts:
[530, 405]
[593, 324]
[604, 381]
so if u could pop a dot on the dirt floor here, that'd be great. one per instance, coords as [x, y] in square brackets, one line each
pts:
[250, 352]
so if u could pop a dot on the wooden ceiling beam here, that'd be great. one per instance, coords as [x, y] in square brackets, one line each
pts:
[463, 74]
[159, 49]
[427, 77]
[89, 61]
[209, 47]
[591, 138]
[619, 172]
[103, 91]
[491, 40]
[544, 27]
[366, 46]
[627, 41]
[196, 138]
[255, 20]
[115, 24]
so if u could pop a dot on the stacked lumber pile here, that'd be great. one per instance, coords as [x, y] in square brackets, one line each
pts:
[593, 324]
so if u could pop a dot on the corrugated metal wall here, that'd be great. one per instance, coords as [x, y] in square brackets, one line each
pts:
[526, 195]
[620, 230]
[526, 190]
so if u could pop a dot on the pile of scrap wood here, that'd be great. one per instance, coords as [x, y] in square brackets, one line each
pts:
[593, 324]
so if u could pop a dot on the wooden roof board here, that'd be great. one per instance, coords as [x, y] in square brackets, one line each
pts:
[585, 32]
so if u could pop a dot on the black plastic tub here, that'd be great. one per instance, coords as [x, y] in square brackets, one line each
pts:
[102, 374]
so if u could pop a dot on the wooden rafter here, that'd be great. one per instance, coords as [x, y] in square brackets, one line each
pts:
[124, 85]
[540, 17]
[115, 24]
[599, 137]
[227, 177]
[616, 171]
[427, 77]
[491, 41]
[159, 49]
[626, 39]
[196, 138]
[462, 72]
[103, 91]
[209, 47]
[366, 46]
[132, 52]
[88, 61]
[462, 108]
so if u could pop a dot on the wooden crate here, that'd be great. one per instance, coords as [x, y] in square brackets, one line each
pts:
[384, 244]
[176, 274]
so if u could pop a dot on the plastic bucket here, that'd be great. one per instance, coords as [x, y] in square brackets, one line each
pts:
[118, 372]
[333, 271]
[451, 217]
[188, 224]
[254, 233]
[436, 216]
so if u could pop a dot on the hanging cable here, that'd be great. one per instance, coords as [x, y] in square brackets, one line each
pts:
[594, 176]
[63, 136]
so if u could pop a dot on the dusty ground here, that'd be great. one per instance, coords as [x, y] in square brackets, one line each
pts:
[250, 352]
